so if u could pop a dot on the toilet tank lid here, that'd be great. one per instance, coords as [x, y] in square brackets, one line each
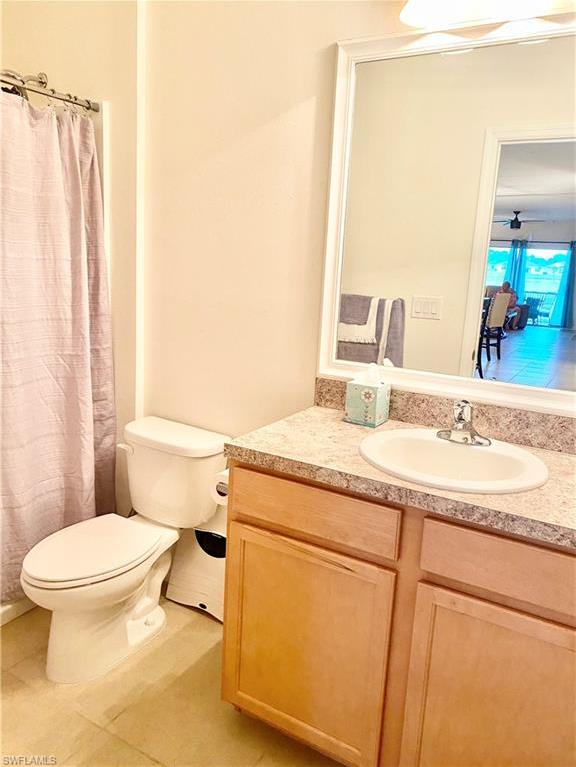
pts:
[173, 437]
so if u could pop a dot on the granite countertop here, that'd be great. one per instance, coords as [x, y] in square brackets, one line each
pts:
[316, 444]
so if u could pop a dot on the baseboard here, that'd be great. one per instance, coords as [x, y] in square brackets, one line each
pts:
[12, 610]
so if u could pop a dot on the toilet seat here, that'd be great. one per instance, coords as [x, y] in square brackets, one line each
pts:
[94, 550]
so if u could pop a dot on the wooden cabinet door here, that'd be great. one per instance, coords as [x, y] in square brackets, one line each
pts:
[488, 686]
[305, 641]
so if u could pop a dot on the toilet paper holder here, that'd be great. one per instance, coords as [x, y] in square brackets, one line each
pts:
[219, 490]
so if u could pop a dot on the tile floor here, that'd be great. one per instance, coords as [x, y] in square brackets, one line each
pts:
[536, 356]
[161, 707]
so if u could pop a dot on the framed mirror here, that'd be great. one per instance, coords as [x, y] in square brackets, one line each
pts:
[452, 217]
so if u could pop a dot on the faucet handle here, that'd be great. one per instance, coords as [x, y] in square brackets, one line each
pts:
[462, 411]
[462, 431]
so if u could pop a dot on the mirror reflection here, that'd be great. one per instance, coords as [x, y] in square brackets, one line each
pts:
[413, 290]
[526, 333]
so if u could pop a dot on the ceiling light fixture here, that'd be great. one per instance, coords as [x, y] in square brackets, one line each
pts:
[439, 13]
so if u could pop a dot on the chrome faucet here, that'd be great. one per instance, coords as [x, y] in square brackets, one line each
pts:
[462, 430]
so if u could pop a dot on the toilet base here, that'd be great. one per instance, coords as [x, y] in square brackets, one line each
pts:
[85, 645]
[88, 661]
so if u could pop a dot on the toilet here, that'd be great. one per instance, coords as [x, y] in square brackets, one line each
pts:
[101, 578]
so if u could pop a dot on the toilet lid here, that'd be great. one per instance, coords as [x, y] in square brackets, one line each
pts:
[91, 549]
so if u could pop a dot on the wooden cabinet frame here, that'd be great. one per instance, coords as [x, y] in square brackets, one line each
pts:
[247, 658]
[452, 567]
[555, 705]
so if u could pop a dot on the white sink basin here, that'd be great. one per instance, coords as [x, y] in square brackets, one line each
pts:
[418, 455]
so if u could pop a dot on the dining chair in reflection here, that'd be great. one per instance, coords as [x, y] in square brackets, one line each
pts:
[492, 328]
[495, 323]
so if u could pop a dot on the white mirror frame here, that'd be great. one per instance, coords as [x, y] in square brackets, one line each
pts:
[351, 53]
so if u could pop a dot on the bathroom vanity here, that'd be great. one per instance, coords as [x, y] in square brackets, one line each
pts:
[386, 623]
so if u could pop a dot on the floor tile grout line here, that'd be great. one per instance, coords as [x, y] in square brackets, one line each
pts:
[136, 748]
[70, 755]
[10, 669]
[105, 731]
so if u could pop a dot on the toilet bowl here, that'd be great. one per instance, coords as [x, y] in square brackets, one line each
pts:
[101, 578]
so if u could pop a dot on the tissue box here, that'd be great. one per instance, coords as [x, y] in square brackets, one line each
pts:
[366, 404]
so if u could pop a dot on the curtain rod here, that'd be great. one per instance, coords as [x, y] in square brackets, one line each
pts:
[39, 84]
[534, 242]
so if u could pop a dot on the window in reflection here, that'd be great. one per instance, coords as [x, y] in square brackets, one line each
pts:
[539, 273]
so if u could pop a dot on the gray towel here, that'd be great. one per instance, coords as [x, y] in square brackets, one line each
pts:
[354, 310]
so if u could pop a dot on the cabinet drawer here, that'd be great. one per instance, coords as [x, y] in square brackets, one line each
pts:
[518, 570]
[320, 516]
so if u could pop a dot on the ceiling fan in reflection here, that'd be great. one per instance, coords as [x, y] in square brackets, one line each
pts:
[515, 223]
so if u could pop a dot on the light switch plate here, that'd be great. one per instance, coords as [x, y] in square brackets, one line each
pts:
[427, 307]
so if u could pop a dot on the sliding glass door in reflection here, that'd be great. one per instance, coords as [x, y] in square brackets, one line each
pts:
[540, 273]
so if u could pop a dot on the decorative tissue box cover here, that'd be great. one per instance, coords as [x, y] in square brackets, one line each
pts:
[367, 405]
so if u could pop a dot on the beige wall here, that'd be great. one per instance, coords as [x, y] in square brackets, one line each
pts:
[89, 49]
[238, 123]
[239, 112]
[417, 149]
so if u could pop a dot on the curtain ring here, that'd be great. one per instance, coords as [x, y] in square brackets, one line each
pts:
[51, 105]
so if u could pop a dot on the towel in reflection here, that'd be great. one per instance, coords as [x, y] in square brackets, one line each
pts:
[389, 329]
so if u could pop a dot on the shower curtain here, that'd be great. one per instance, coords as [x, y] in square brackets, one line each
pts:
[57, 426]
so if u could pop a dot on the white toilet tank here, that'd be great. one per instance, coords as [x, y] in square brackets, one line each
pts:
[170, 469]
